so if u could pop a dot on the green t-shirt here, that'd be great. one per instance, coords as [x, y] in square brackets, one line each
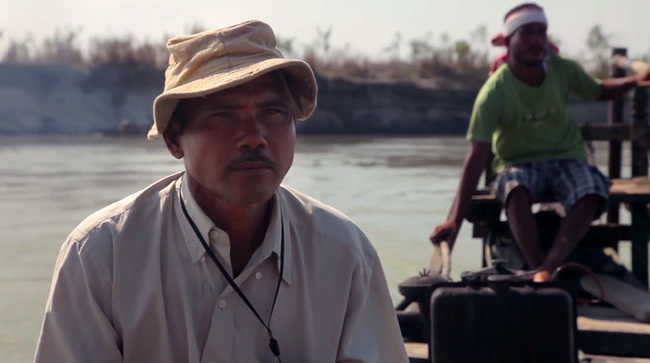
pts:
[527, 123]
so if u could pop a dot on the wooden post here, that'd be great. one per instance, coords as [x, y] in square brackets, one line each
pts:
[640, 132]
[615, 117]
[639, 237]
[640, 222]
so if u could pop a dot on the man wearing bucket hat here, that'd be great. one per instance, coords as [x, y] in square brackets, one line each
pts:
[521, 114]
[222, 263]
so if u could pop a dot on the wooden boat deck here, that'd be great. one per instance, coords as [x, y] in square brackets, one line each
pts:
[610, 332]
[418, 352]
[604, 319]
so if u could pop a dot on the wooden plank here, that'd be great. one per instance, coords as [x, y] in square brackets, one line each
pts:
[625, 297]
[616, 132]
[603, 318]
[636, 185]
[417, 351]
[609, 359]
[599, 234]
[626, 190]
[631, 190]
[590, 324]
[610, 332]
[485, 207]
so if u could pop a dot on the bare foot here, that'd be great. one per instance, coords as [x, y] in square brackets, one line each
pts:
[541, 276]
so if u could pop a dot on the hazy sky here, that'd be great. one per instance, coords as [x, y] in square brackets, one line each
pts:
[367, 26]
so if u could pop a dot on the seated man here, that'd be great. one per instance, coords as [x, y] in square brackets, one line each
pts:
[521, 114]
[220, 262]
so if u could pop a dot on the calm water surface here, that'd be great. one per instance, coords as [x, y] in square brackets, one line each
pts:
[396, 189]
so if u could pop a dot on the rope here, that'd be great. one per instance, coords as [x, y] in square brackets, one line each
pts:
[574, 265]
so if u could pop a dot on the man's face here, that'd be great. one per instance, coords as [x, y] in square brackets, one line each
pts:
[237, 144]
[528, 44]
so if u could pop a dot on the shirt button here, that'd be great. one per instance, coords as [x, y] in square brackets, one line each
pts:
[222, 303]
[258, 275]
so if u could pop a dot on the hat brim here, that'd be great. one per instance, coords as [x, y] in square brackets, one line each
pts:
[300, 80]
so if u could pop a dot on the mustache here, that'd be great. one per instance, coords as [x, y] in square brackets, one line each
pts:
[251, 155]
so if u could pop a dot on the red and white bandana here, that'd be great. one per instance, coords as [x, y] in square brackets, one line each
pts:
[523, 16]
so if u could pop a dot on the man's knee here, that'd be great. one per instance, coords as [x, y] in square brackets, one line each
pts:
[517, 198]
[593, 204]
[583, 186]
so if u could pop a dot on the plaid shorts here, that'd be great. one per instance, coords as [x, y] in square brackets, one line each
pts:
[566, 181]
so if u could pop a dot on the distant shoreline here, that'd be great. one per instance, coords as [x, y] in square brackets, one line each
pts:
[117, 99]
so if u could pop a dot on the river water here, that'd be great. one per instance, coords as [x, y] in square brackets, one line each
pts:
[396, 189]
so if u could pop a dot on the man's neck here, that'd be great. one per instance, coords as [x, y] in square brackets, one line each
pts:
[532, 75]
[245, 225]
[246, 229]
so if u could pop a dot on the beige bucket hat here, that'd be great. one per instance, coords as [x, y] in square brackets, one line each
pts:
[211, 61]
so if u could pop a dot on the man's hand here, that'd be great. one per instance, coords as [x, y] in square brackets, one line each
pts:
[644, 77]
[473, 167]
[614, 88]
[447, 231]
[640, 69]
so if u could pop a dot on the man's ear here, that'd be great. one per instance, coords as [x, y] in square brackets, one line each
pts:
[171, 135]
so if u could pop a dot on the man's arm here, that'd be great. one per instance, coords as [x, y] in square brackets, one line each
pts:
[614, 88]
[76, 328]
[473, 167]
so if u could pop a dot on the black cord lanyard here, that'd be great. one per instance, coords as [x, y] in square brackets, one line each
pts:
[273, 344]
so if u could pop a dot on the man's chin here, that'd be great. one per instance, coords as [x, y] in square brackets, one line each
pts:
[531, 63]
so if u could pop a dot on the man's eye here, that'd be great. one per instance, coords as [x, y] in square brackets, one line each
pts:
[221, 114]
[275, 111]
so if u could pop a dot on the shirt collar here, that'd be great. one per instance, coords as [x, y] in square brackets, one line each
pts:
[272, 238]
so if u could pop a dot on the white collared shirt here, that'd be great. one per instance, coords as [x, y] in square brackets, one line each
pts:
[133, 283]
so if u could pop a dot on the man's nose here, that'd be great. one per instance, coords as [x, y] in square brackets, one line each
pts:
[539, 39]
[251, 133]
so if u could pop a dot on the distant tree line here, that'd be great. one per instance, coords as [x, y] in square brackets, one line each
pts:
[423, 57]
